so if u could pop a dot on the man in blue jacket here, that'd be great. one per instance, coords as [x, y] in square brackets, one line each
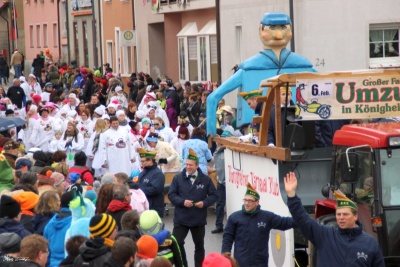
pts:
[192, 192]
[151, 181]
[345, 245]
[249, 229]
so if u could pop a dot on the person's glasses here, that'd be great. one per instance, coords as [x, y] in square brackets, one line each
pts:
[143, 160]
[153, 107]
[46, 251]
[156, 124]
[248, 200]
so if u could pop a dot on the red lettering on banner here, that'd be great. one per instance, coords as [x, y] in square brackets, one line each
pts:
[267, 185]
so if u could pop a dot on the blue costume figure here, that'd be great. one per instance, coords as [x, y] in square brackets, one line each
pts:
[275, 33]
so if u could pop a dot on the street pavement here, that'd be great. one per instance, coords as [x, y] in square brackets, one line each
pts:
[212, 242]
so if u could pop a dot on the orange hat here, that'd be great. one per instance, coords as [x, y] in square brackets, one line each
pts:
[28, 201]
[147, 247]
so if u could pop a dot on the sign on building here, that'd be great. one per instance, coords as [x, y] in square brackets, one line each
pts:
[128, 38]
[77, 4]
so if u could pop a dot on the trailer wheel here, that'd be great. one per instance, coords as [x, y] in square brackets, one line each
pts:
[327, 220]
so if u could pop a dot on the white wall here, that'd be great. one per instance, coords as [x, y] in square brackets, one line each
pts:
[336, 32]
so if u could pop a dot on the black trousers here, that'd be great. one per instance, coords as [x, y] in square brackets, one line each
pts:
[198, 232]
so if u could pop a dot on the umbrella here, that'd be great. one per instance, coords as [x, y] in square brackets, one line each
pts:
[10, 122]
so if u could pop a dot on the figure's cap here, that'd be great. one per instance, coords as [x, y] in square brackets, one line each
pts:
[192, 155]
[247, 95]
[275, 19]
[143, 153]
[252, 192]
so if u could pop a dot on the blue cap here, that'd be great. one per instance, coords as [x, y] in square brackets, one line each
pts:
[275, 19]
[73, 176]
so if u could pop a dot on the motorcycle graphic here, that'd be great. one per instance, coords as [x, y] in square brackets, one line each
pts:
[323, 110]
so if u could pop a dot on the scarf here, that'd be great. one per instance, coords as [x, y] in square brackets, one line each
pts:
[96, 142]
[117, 205]
[73, 134]
[101, 240]
[249, 212]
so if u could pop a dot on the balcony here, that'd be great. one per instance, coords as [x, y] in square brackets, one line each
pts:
[171, 6]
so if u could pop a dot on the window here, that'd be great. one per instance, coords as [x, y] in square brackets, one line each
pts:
[45, 42]
[76, 41]
[55, 35]
[31, 36]
[182, 65]
[193, 68]
[213, 58]
[384, 46]
[37, 35]
[85, 43]
[117, 51]
[238, 39]
[64, 19]
[127, 59]
[110, 53]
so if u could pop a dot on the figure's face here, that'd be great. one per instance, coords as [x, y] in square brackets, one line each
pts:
[191, 166]
[94, 100]
[121, 118]
[250, 203]
[133, 108]
[157, 124]
[58, 136]
[84, 117]
[114, 125]
[275, 36]
[252, 102]
[70, 127]
[146, 162]
[283, 98]
[152, 114]
[72, 101]
[345, 218]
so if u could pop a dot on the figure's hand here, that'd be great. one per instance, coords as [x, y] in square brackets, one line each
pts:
[91, 157]
[227, 254]
[105, 165]
[133, 160]
[199, 204]
[188, 203]
[290, 184]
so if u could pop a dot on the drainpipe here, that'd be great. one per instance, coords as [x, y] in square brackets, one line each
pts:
[217, 11]
[134, 28]
[95, 52]
[59, 35]
[100, 36]
[68, 39]
[291, 14]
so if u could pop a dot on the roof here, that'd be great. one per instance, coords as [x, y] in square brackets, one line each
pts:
[374, 134]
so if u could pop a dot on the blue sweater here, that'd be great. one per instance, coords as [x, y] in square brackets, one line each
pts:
[250, 232]
[335, 246]
[54, 232]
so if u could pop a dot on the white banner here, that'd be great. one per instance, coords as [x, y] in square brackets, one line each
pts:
[348, 98]
[128, 38]
[262, 174]
[77, 4]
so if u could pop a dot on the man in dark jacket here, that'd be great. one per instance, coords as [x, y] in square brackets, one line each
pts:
[344, 245]
[120, 203]
[89, 88]
[151, 181]
[10, 216]
[249, 224]
[16, 94]
[97, 249]
[192, 192]
[123, 253]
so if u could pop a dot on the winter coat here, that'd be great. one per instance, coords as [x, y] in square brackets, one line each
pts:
[26, 220]
[39, 222]
[94, 252]
[244, 228]
[335, 246]
[54, 232]
[168, 247]
[116, 214]
[12, 226]
[54, 76]
[172, 94]
[324, 131]
[172, 114]
[38, 65]
[17, 96]
[88, 91]
[193, 112]
[111, 262]
[151, 181]
[3, 66]
[182, 189]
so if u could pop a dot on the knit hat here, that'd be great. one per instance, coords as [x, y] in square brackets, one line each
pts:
[10, 243]
[252, 192]
[134, 173]
[97, 73]
[192, 155]
[118, 88]
[74, 176]
[343, 202]
[107, 178]
[247, 95]
[147, 247]
[99, 110]
[9, 207]
[22, 163]
[120, 113]
[150, 223]
[27, 201]
[140, 114]
[102, 225]
[57, 177]
[91, 194]
[36, 98]
[66, 199]
[146, 120]
[132, 124]
[216, 260]
[151, 96]
[9, 112]
[143, 153]
[183, 129]
[48, 84]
